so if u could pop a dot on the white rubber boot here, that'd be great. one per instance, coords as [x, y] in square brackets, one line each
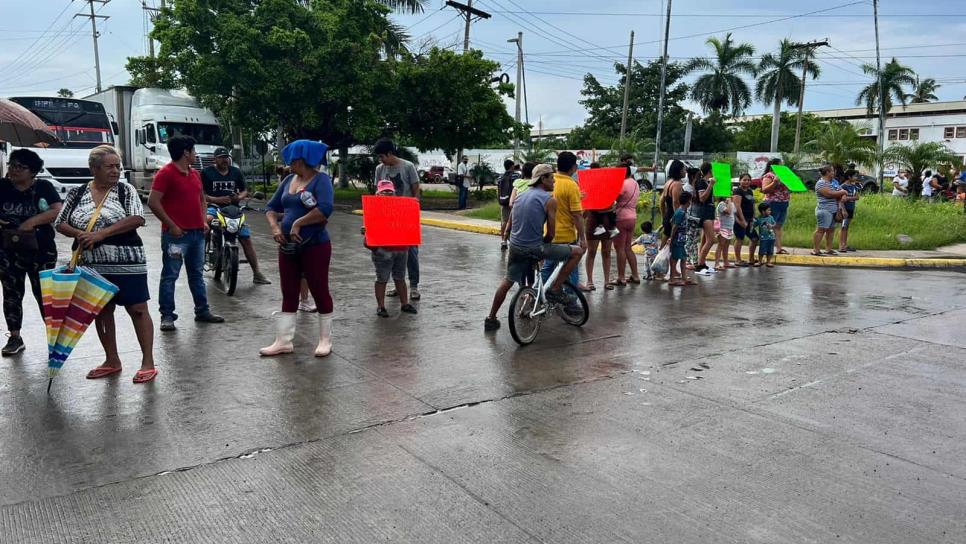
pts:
[284, 334]
[325, 336]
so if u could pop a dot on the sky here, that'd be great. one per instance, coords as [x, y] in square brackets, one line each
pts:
[44, 48]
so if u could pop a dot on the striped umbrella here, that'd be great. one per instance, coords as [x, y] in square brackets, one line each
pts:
[73, 296]
[22, 128]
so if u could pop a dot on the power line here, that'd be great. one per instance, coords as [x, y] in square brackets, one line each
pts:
[42, 34]
[731, 15]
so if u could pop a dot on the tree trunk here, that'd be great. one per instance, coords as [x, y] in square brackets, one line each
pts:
[776, 119]
[343, 173]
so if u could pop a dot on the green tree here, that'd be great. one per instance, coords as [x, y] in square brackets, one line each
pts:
[709, 134]
[65, 93]
[839, 144]
[895, 79]
[436, 114]
[778, 79]
[722, 89]
[919, 156]
[604, 103]
[152, 72]
[923, 91]
[755, 135]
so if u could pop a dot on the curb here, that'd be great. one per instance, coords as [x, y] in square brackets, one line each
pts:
[799, 260]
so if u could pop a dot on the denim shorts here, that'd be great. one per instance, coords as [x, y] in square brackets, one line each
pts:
[678, 252]
[779, 211]
[824, 219]
[766, 248]
[389, 264]
[521, 260]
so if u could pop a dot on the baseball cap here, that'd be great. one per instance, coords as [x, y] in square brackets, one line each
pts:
[222, 152]
[539, 171]
[385, 185]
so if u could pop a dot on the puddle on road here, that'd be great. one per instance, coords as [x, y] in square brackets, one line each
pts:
[768, 371]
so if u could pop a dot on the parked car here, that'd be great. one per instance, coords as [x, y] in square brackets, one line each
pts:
[810, 176]
[434, 174]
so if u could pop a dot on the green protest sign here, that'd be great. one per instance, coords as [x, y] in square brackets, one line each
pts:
[722, 179]
[789, 178]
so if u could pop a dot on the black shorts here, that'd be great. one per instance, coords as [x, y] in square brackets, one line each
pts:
[132, 288]
[706, 213]
[742, 232]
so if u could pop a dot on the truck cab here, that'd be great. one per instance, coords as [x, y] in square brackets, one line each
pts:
[158, 115]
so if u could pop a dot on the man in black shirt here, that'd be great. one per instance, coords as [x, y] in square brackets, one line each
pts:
[224, 184]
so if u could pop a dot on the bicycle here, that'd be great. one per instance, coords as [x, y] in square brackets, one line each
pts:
[529, 306]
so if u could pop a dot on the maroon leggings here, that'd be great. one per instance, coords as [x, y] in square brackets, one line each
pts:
[311, 263]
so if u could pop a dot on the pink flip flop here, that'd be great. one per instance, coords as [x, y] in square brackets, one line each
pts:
[102, 372]
[144, 376]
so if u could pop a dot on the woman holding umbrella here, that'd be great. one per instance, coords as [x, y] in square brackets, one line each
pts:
[27, 208]
[112, 248]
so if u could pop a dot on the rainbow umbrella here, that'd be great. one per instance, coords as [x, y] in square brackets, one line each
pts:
[73, 296]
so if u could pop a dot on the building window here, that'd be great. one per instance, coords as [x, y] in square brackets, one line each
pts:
[961, 132]
[893, 134]
[949, 133]
[913, 133]
[903, 134]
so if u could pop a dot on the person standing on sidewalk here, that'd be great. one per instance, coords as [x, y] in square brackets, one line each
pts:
[778, 198]
[224, 185]
[297, 215]
[178, 201]
[404, 177]
[505, 188]
[464, 180]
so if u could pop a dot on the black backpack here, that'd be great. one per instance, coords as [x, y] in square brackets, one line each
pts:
[505, 187]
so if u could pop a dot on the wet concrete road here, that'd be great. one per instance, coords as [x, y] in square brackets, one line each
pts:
[787, 405]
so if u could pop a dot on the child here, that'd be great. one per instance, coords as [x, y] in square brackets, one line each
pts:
[851, 187]
[765, 224]
[726, 229]
[389, 260]
[649, 240]
[677, 239]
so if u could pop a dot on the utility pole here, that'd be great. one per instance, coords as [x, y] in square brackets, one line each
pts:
[94, 18]
[660, 112]
[470, 14]
[152, 13]
[809, 48]
[518, 91]
[880, 139]
[627, 86]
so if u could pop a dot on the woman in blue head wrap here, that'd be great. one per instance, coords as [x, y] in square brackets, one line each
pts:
[297, 215]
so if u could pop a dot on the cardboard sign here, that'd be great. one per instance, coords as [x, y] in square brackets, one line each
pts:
[601, 185]
[391, 221]
[789, 178]
[722, 179]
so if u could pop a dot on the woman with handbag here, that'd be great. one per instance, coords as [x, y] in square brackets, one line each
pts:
[103, 217]
[778, 197]
[27, 208]
[827, 209]
[297, 215]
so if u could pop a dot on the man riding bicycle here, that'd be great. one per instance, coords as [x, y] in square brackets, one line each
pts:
[529, 243]
[224, 185]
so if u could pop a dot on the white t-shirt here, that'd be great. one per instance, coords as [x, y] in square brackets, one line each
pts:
[463, 171]
[903, 182]
[927, 186]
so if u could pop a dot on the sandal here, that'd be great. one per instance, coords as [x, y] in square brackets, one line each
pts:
[382, 312]
[690, 282]
[782, 251]
[588, 288]
[144, 376]
[609, 286]
[620, 283]
[770, 265]
[756, 264]
[634, 281]
[742, 264]
[676, 283]
[817, 254]
[103, 372]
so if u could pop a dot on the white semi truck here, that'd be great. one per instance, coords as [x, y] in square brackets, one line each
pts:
[147, 118]
[81, 125]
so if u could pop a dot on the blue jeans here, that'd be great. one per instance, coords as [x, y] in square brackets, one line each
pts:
[193, 257]
[549, 265]
[412, 265]
[464, 193]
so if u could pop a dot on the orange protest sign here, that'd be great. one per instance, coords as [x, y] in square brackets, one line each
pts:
[601, 185]
[391, 221]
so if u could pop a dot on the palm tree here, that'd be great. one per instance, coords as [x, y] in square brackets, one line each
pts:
[66, 93]
[895, 79]
[722, 88]
[778, 80]
[840, 144]
[923, 91]
[919, 156]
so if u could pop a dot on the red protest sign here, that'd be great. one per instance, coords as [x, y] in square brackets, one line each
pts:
[391, 221]
[601, 185]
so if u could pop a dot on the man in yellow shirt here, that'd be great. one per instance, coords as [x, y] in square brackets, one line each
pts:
[570, 219]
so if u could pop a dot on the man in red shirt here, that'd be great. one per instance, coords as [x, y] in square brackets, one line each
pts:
[178, 201]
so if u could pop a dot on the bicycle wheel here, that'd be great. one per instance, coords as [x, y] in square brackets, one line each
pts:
[231, 268]
[524, 328]
[577, 313]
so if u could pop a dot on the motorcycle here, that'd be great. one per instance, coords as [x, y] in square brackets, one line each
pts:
[221, 247]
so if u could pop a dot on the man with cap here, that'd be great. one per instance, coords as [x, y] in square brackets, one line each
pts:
[224, 184]
[530, 242]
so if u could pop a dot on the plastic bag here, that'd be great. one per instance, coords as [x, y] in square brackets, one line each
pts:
[662, 261]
